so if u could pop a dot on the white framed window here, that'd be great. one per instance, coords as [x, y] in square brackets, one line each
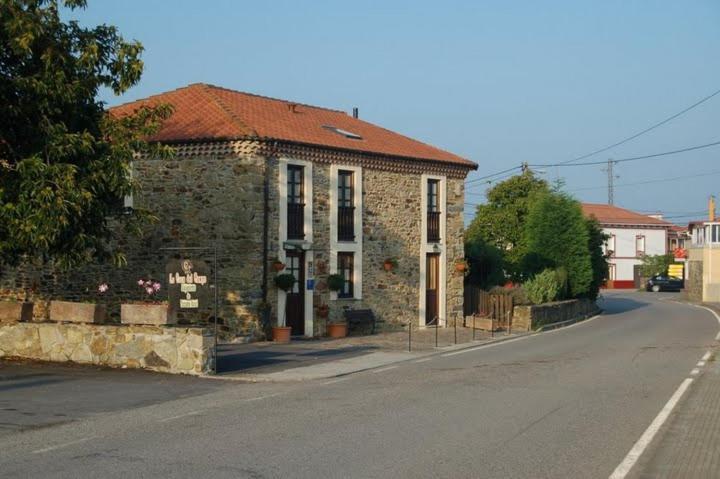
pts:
[640, 245]
[346, 235]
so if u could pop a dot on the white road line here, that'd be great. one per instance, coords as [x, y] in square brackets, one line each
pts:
[484, 346]
[66, 444]
[695, 372]
[422, 360]
[338, 380]
[707, 356]
[261, 397]
[624, 467]
[172, 418]
[701, 364]
[382, 370]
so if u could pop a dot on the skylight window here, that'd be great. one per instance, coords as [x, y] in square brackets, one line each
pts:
[345, 133]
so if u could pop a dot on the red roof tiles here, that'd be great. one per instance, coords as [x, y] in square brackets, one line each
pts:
[206, 112]
[609, 214]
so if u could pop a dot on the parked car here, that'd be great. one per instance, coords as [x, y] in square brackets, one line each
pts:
[662, 282]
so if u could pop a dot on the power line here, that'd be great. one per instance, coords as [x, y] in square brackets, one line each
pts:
[634, 158]
[475, 180]
[646, 130]
[658, 180]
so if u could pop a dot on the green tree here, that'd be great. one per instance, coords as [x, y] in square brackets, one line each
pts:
[556, 236]
[656, 264]
[64, 162]
[486, 264]
[500, 222]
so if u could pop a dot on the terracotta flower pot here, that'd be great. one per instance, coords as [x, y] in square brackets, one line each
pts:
[14, 311]
[154, 314]
[388, 266]
[337, 330]
[278, 266]
[281, 334]
[460, 267]
[72, 312]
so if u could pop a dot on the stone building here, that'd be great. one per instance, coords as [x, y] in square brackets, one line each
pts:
[319, 190]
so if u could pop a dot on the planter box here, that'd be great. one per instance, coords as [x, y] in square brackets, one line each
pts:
[337, 330]
[154, 314]
[281, 334]
[14, 311]
[71, 312]
[486, 324]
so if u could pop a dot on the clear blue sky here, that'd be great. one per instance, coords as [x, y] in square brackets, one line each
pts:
[498, 82]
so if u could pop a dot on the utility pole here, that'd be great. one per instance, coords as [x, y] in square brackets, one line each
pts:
[611, 181]
[524, 166]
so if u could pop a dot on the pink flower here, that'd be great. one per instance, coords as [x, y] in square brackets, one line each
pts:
[156, 286]
[103, 288]
[141, 282]
[149, 290]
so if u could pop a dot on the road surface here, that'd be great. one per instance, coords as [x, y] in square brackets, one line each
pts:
[565, 404]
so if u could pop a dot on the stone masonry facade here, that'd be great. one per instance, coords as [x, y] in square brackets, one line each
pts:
[226, 195]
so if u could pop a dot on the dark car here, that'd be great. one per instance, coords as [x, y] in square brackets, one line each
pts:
[663, 282]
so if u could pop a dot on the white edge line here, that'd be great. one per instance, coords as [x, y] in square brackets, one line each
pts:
[171, 418]
[701, 364]
[381, 370]
[66, 444]
[639, 447]
[484, 346]
[707, 356]
[695, 371]
[422, 360]
[261, 397]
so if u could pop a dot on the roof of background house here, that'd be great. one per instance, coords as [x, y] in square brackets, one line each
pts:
[205, 112]
[609, 214]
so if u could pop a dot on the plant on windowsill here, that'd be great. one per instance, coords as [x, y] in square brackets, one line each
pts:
[390, 264]
[278, 265]
[285, 281]
[335, 282]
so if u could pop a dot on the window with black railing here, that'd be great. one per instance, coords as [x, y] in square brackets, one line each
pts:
[346, 207]
[433, 211]
[296, 203]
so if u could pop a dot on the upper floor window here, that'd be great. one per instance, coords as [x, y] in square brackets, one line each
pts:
[639, 245]
[296, 202]
[346, 207]
[345, 269]
[433, 210]
[610, 246]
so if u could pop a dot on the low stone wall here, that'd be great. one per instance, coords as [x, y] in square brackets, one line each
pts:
[527, 318]
[165, 349]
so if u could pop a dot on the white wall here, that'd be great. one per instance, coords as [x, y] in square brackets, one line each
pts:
[625, 256]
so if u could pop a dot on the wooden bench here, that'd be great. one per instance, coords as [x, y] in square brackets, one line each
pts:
[361, 317]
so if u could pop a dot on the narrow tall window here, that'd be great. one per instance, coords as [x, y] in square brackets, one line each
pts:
[610, 246]
[433, 211]
[639, 245]
[296, 202]
[345, 269]
[346, 207]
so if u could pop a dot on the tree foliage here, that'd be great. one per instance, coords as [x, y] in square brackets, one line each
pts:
[64, 162]
[656, 264]
[500, 222]
[598, 258]
[556, 236]
[486, 263]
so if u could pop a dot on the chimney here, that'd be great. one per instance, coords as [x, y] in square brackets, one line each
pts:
[356, 112]
[711, 209]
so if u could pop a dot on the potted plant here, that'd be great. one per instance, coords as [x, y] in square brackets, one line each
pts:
[335, 282]
[278, 265]
[80, 312]
[285, 281]
[151, 310]
[323, 310]
[337, 329]
[462, 266]
[390, 264]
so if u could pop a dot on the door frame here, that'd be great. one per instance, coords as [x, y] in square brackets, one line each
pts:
[440, 247]
[283, 240]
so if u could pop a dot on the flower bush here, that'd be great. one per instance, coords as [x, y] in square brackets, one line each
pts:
[150, 288]
[544, 287]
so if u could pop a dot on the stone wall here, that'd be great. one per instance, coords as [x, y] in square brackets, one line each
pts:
[163, 349]
[694, 282]
[530, 318]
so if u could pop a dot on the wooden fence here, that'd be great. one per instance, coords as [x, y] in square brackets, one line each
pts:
[498, 307]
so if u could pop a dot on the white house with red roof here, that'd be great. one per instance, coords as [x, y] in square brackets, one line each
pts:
[631, 236]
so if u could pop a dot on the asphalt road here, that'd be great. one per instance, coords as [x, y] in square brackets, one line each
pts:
[565, 404]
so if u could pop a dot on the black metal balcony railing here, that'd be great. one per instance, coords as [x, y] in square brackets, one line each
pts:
[296, 221]
[433, 226]
[346, 223]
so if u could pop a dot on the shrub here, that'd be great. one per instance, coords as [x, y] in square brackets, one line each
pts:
[518, 294]
[335, 282]
[543, 287]
[285, 281]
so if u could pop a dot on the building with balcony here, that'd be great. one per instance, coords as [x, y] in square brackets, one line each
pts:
[703, 282]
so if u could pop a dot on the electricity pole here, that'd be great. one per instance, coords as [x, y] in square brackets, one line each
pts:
[611, 181]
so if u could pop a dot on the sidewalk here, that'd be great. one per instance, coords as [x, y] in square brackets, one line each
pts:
[306, 359]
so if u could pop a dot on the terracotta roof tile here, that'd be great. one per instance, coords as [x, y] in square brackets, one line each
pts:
[609, 214]
[207, 112]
